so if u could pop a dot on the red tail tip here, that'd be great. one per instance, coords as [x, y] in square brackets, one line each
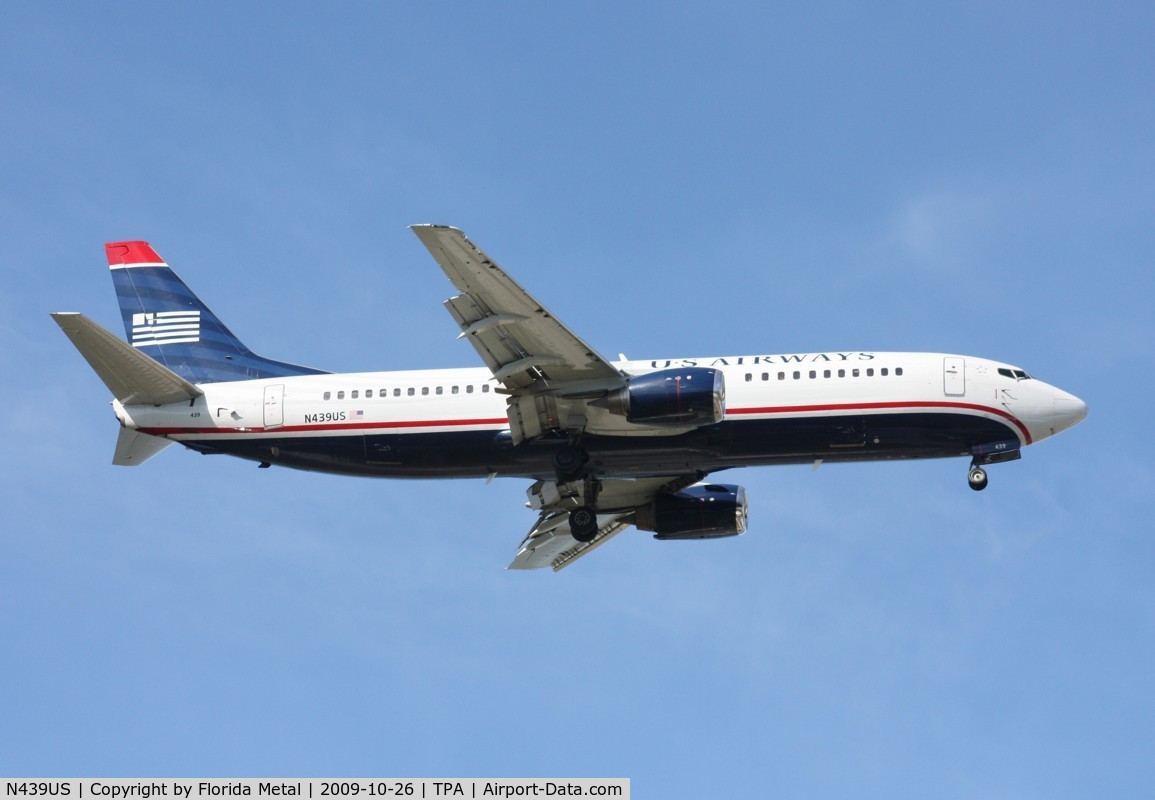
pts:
[131, 253]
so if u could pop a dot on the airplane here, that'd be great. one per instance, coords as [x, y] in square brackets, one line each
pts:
[606, 444]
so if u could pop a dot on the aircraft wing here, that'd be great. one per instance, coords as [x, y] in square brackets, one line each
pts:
[549, 374]
[549, 543]
[526, 347]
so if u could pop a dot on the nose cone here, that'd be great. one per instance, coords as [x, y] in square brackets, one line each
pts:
[1069, 411]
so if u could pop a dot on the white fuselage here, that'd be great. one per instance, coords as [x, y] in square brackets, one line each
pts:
[854, 391]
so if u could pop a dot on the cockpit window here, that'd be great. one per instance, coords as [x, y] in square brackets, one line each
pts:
[1017, 374]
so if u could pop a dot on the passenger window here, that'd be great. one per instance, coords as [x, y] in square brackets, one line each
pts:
[854, 373]
[883, 372]
[870, 372]
[781, 376]
[340, 395]
[898, 370]
[353, 395]
[813, 374]
[396, 392]
[749, 377]
[469, 389]
[765, 376]
[485, 387]
[368, 392]
[412, 391]
[438, 390]
[328, 395]
[797, 375]
[842, 373]
[825, 373]
[424, 390]
[454, 390]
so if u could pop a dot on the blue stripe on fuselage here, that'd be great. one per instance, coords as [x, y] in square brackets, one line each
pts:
[758, 442]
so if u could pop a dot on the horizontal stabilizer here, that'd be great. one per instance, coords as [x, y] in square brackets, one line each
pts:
[133, 447]
[129, 374]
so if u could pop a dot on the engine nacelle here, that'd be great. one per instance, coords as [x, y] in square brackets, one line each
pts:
[692, 396]
[702, 511]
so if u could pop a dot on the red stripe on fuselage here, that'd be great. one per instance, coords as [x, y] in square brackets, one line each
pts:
[341, 426]
[502, 421]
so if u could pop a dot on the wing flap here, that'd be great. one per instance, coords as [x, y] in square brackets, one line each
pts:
[550, 544]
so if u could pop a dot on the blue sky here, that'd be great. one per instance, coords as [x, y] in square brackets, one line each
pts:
[691, 179]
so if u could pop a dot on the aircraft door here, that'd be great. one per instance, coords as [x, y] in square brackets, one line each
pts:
[274, 406]
[954, 381]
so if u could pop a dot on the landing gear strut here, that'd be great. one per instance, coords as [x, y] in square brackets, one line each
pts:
[977, 478]
[991, 453]
[569, 464]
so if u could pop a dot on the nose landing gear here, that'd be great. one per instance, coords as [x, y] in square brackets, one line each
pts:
[990, 453]
[977, 478]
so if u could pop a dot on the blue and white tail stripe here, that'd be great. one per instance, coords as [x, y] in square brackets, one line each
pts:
[167, 321]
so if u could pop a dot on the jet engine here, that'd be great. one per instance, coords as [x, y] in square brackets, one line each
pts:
[692, 396]
[701, 511]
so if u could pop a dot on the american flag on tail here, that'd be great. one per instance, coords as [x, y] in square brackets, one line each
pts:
[166, 327]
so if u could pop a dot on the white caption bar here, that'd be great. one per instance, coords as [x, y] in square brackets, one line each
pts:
[339, 788]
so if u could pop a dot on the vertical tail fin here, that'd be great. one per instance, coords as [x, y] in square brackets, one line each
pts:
[167, 321]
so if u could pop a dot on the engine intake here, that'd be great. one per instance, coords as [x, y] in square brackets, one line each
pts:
[675, 397]
[702, 511]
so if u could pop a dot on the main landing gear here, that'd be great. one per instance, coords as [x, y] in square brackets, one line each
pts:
[977, 478]
[569, 464]
[583, 524]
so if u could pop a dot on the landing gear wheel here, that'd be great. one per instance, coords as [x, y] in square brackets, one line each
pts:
[568, 463]
[977, 479]
[583, 524]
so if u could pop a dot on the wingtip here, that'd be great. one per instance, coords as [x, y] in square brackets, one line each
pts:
[423, 227]
[66, 319]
